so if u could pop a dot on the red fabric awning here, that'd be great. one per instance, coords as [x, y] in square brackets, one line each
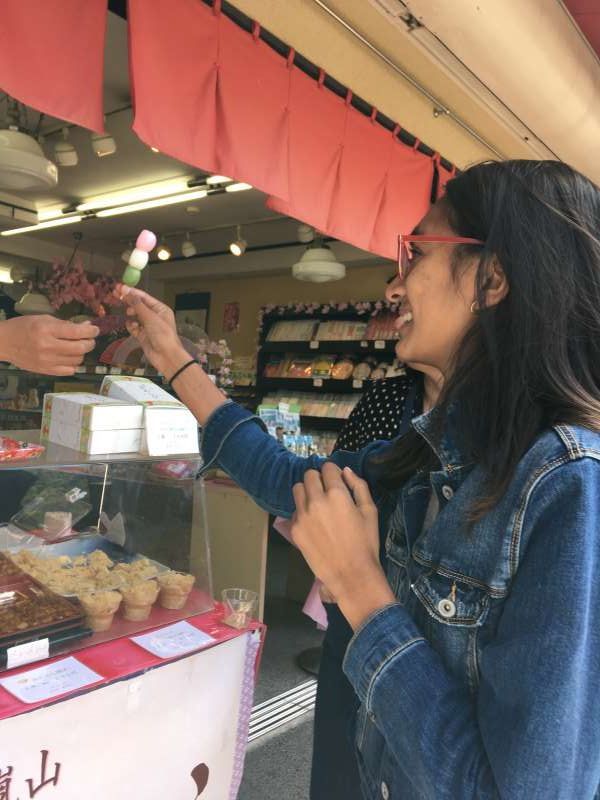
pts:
[217, 97]
[52, 57]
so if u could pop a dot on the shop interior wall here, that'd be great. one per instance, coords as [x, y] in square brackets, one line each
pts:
[360, 283]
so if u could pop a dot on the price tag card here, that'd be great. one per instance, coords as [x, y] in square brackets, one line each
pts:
[314, 344]
[139, 372]
[116, 371]
[51, 680]
[12, 366]
[318, 382]
[284, 407]
[364, 343]
[80, 369]
[101, 370]
[379, 344]
[356, 384]
[27, 653]
[173, 640]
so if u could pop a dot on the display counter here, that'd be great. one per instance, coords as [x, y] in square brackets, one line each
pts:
[118, 673]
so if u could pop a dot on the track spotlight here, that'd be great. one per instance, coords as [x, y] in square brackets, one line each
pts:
[238, 247]
[163, 253]
[64, 152]
[188, 248]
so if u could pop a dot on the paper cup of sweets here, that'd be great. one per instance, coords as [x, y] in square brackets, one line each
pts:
[175, 588]
[100, 609]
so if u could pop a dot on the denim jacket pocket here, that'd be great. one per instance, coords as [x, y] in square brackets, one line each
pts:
[451, 616]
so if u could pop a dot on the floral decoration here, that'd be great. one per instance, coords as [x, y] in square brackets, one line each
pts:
[72, 284]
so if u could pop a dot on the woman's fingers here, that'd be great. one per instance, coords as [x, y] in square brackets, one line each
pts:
[358, 487]
[332, 477]
[313, 485]
[299, 493]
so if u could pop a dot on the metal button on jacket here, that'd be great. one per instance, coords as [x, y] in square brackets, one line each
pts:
[446, 608]
[448, 492]
[385, 792]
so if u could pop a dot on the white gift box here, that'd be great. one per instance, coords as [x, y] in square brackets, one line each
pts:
[91, 423]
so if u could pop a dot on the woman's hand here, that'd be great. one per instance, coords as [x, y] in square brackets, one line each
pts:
[336, 528]
[153, 325]
[44, 344]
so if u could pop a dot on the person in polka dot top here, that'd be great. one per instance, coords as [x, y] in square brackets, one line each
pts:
[384, 412]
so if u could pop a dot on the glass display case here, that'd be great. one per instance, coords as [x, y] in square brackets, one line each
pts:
[98, 547]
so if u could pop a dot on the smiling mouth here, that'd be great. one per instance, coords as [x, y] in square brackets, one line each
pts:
[404, 319]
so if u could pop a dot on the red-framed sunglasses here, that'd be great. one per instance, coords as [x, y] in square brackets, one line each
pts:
[405, 252]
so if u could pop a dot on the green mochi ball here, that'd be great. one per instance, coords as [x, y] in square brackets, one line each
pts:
[131, 276]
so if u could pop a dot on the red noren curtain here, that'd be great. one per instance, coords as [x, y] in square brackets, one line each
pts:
[52, 57]
[217, 97]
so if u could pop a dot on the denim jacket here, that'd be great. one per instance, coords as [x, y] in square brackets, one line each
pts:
[483, 679]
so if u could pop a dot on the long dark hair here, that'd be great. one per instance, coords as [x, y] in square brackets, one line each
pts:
[532, 361]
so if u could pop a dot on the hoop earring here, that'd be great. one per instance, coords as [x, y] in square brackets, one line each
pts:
[474, 307]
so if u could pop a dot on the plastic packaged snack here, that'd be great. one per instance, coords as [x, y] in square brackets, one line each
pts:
[322, 366]
[343, 369]
[362, 371]
[14, 450]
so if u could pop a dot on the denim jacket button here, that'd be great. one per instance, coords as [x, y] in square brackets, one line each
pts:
[448, 492]
[385, 792]
[447, 608]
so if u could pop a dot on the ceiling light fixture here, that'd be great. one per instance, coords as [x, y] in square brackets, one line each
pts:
[238, 247]
[34, 302]
[238, 187]
[126, 254]
[163, 253]
[188, 248]
[51, 223]
[134, 194]
[306, 233]
[212, 180]
[5, 275]
[103, 144]
[23, 164]
[318, 264]
[64, 152]
[146, 204]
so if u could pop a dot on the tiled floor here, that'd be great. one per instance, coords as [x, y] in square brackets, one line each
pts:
[278, 763]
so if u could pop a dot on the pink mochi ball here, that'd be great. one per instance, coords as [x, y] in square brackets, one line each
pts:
[146, 241]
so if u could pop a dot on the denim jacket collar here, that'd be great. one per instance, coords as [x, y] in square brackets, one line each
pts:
[442, 436]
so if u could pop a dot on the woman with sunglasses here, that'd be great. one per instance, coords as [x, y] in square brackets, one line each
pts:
[476, 647]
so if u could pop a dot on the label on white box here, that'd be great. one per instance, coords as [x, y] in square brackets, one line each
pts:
[27, 653]
[356, 384]
[116, 371]
[51, 680]
[318, 382]
[379, 344]
[170, 431]
[173, 640]
[314, 344]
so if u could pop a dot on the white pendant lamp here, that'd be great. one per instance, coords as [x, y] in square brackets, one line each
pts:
[23, 164]
[318, 264]
[34, 302]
